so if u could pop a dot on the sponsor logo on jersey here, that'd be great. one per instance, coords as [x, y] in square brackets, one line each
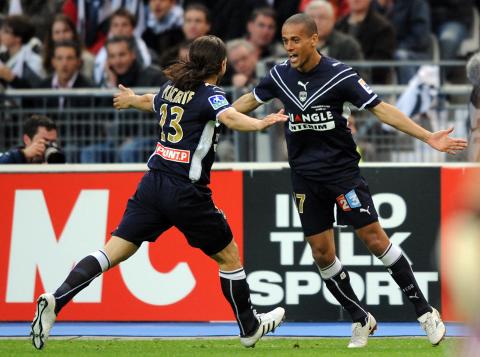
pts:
[352, 199]
[365, 86]
[320, 121]
[217, 101]
[343, 203]
[172, 154]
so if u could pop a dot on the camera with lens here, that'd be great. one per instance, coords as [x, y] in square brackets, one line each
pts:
[53, 153]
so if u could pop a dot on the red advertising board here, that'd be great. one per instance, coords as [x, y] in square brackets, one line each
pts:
[456, 193]
[48, 221]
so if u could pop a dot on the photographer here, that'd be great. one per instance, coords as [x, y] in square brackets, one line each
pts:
[40, 144]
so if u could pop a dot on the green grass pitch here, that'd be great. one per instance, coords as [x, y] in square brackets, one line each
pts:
[226, 347]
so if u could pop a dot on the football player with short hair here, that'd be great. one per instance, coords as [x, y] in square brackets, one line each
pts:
[175, 192]
[324, 167]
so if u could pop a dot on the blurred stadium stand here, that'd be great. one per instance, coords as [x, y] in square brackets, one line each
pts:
[92, 131]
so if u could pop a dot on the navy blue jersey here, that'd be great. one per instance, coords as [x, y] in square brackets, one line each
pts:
[320, 145]
[188, 130]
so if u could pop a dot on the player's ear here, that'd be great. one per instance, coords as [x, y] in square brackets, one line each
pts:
[314, 39]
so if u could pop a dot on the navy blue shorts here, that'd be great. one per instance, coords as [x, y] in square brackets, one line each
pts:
[315, 203]
[162, 201]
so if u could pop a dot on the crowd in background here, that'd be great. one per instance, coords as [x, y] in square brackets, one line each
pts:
[62, 44]
[129, 41]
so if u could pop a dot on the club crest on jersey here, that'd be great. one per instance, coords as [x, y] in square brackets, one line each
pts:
[217, 101]
[365, 86]
[303, 94]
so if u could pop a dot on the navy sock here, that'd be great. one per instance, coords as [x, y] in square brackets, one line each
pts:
[401, 271]
[337, 280]
[237, 292]
[80, 277]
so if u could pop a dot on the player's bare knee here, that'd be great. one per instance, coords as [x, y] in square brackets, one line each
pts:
[323, 256]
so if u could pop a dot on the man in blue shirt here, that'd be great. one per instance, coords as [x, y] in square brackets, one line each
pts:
[324, 167]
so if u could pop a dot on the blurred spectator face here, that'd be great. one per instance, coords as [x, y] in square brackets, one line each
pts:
[243, 60]
[261, 30]
[324, 18]
[7, 38]
[160, 8]
[61, 32]
[195, 24]
[120, 57]
[359, 5]
[65, 63]
[121, 26]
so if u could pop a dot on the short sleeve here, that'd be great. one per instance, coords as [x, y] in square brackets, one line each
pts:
[358, 92]
[265, 90]
[156, 102]
[217, 101]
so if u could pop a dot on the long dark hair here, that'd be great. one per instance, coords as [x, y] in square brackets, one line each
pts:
[205, 59]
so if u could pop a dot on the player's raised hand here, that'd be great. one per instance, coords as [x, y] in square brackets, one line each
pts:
[442, 142]
[274, 118]
[122, 99]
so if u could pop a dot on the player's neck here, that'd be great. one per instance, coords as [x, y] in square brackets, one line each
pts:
[313, 61]
[212, 80]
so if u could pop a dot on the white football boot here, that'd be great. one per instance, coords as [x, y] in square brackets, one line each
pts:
[360, 333]
[43, 321]
[433, 326]
[268, 322]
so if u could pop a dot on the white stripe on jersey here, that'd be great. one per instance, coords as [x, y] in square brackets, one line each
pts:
[310, 101]
[201, 151]
[367, 102]
[286, 90]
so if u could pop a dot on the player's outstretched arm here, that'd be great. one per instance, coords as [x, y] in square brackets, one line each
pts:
[126, 98]
[439, 140]
[246, 103]
[241, 122]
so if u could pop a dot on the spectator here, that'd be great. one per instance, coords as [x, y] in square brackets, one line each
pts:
[331, 42]
[230, 15]
[261, 32]
[71, 112]
[164, 25]
[122, 23]
[63, 29]
[341, 7]
[243, 58]
[411, 21]
[374, 33]
[39, 144]
[196, 23]
[20, 66]
[451, 20]
[473, 123]
[39, 12]
[125, 70]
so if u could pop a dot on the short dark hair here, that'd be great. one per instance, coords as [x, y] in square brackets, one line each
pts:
[31, 125]
[264, 11]
[122, 12]
[117, 39]
[70, 44]
[305, 20]
[20, 26]
[200, 7]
